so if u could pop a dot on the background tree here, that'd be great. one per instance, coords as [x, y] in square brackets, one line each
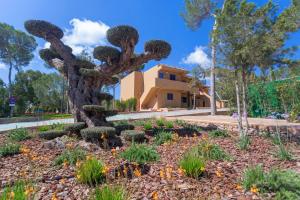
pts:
[195, 82]
[86, 78]
[196, 11]
[16, 49]
[3, 99]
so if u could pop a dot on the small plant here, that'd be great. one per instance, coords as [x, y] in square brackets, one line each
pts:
[244, 142]
[163, 137]
[70, 156]
[20, 191]
[180, 122]
[9, 149]
[147, 126]
[19, 134]
[140, 154]
[169, 124]
[160, 122]
[283, 153]
[211, 151]
[91, 172]
[253, 176]
[122, 127]
[192, 164]
[133, 135]
[56, 126]
[110, 193]
[218, 133]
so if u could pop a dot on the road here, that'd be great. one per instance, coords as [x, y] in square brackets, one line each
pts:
[131, 116]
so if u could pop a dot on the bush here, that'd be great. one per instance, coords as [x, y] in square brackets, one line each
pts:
[131, 104]
[253, 176]
[283, 153]
[70, 156]
[110, 193]
[91, 172]
[169, 124]
[75, 128]
[218, 133]
[147, 126]
[20, 191]
[163, 137]
[139, 122]
[140, 154]
[97, 134]
[160, 122]
[51, 127]
[133, 135]
[211, 151]
[122, 127]
[50, 135]
[120, 105]
[19, 134]
[244, 142]
[180, 122]
[9, 149]
[192, 164]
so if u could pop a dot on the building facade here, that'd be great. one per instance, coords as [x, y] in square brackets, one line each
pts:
[163, 87]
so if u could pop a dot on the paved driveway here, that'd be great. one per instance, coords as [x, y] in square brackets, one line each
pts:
[6, 127]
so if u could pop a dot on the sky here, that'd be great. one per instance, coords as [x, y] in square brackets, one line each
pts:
[85, 23]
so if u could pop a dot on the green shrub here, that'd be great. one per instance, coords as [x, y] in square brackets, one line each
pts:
[160, 122]
[19, 191]
[121, 105]
[49, 135]
[9, 149]
[192, 164]
[244, 142]
[169, 124]
[211, 151]
[91, 172]
[180, 122]
[75, 128]
[19, 134]
[131, 104]
[147, 125]
[57, 127]
[110, 193]
[97, 134]
[140, 153]
[70, 156]
[283, 153]
[121, 122]
[163, 137]
[122, 127]
[253, 176]
[218, 133]
[138, 122]
[133, 135]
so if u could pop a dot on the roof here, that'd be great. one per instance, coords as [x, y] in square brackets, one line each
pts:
[163, 66]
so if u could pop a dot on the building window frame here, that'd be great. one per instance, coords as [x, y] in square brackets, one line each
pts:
[161, 75]
[173, 77]
[170, 96]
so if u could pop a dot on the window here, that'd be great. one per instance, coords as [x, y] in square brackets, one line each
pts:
[161, 75]
[170, 96]
[183, 99]
[172, 77]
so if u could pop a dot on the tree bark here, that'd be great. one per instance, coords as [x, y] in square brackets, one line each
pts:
[244, 88]
[11, 112]
[237, 90]
[212, 73]
[194, 105]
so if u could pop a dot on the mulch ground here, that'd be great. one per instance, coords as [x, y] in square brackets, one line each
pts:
[52, 180]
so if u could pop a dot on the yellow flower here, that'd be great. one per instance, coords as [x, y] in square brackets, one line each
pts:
[78, 163]
[12, 195]
[89, 157]
[155, 195]
[54, 197]
[202, 169]
[239, 187]
[125, 170]
[169, 172]
[219, 173]
[254, 189]
[66, 163]
[105, 170]
[25, 150]
[137, 172]
[181, 171]
[62, 181]
[113, 151]
[162, 174]
[29, 190]
[78, 176]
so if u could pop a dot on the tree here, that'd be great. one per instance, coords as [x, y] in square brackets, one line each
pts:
[85, 78]
[3, 99]
[195, 82]
[196, 11]
[16, 50]
[252, 36]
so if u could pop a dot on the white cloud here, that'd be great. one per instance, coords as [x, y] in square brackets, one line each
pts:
[84, 35]
[198, 56]
[2, 66]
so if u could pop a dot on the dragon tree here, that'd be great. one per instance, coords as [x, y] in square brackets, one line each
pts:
[85, 78]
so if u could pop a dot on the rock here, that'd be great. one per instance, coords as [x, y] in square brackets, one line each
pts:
[55, 143]
[87, 146]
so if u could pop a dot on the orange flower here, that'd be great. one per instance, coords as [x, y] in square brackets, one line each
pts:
[162, 174]
[239, 187]
[219, 173]
[125, 170]
[155, 195]
[65, 164]
[181, 171]
[89, 157]
[113, 151]
[12, 195]
[54, 197]
[78, 163]
[137, 172]
[29, 190]
[62, 181]
[169, 172]
[254, 189]
[105, 170]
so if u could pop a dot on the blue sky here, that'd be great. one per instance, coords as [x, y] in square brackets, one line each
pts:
[154, 19]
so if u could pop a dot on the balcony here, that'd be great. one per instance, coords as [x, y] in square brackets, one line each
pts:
[171, 84]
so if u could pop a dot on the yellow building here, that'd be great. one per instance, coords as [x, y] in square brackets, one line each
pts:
[163, 87]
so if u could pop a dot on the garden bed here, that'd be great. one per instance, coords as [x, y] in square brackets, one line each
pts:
[161, 179]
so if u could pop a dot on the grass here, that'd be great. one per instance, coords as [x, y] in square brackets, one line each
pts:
[284, 183]
[121, 122]
[57, 127]
[192, 164]
[19, 134]
[110, 193]
[169, 124]
[9, 149]
[147, 125]
[218, 133]
[211, 151]
[70, 156]
[140, 153]
[91, 172]
[283, 153]
[19, 191]
[56, 116]
[163, 137]
[160, 122]
[244, 142]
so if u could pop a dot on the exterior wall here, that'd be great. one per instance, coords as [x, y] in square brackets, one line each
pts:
[127, 87]
[163, 102]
